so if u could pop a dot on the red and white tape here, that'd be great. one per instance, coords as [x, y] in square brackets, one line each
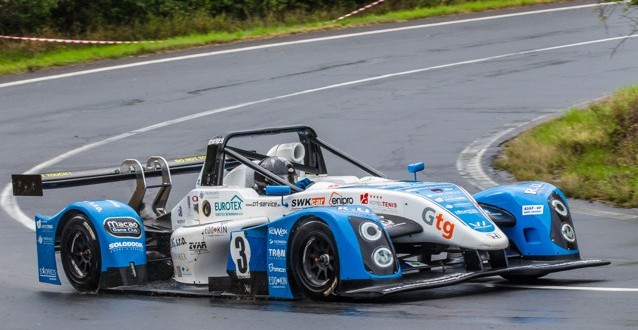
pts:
[360, 10]
[74, 41]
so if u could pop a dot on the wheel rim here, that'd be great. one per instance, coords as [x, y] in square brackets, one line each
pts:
[318, 261]
[80, 256]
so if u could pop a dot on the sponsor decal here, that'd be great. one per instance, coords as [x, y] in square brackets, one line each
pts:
[494, 235]
[274, 269]
[464, 204]
[122, 227]
[387, 223]
[195, 201]
[264, 204]
[178, 241]
[48, 272]
[533, 188]
[533, 209]
[277, 253]
[197, 246]
[96, 206]
[218, 229]
[376, 200]
[218, 140]
[277, 281]
[277, 242]
[313, 201]
[276, 231]
[189, 159]
[43, 226]
[337, 199]
[438, 222]
[363, 198]
[353, 209]
[56, 174]
[126, 245]
[180, 212]
[233, 207]
[45, 240]
[480, 225]
[469, 211]
[181, 271]
[113, 203]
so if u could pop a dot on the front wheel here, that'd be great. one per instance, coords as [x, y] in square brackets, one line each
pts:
[80, 254]
[314, 259]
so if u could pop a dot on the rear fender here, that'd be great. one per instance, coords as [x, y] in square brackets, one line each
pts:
[120, 233]
[535, 217]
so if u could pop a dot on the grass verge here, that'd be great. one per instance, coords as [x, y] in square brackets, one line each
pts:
[590, 153]
[21, 56]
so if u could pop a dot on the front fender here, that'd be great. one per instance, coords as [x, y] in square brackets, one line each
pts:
[259, 256]
[535, 217]
[120, 234]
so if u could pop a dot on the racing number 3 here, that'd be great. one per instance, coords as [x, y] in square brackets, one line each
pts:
[240, 252]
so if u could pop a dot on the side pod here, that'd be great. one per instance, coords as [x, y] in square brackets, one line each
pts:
[535, 217]
[121, 244]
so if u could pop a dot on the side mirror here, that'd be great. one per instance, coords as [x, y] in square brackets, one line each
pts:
[414, 168]
[278, 191]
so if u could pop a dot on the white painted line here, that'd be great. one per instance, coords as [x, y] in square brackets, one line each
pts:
[10, 205]
[553, 287]
[297, 42]
[469, 162]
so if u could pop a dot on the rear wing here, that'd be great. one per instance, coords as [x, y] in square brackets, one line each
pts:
[131, 169]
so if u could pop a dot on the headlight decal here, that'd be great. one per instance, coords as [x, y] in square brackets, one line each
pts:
[562, 228]
[376, 250]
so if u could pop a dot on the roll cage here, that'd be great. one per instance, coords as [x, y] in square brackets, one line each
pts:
[220, 156]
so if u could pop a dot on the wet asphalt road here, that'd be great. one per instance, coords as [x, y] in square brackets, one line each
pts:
[413, 93]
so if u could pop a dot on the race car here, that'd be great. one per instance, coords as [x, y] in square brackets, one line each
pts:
[267, 218]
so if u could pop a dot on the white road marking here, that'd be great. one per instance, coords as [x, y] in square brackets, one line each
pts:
[288, 43]
[469, 162]
[10, 205]
[554, 287]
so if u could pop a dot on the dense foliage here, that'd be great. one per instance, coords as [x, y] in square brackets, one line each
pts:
[142, 18]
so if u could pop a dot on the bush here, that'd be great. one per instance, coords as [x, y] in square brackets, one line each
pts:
[24, 16]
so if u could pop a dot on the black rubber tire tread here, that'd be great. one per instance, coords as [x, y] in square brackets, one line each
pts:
[314, 233]
[82, 266]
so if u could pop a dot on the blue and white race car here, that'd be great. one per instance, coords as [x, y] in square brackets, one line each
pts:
[276, 223]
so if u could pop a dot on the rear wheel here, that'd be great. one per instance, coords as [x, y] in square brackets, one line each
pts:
[314, 259]
[80, 254]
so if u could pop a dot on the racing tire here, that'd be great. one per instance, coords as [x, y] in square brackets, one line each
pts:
[314, 259]
[80, 254]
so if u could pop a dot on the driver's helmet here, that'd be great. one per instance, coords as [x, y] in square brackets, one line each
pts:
[277, 165]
